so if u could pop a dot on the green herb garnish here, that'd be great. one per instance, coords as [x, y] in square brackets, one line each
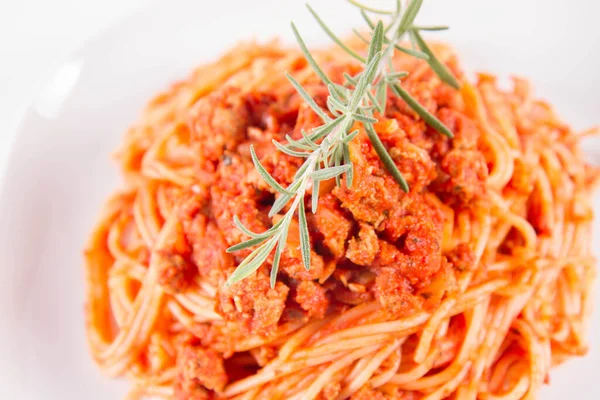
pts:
[326, 148]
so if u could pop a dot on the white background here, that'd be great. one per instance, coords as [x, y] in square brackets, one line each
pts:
[35, 36]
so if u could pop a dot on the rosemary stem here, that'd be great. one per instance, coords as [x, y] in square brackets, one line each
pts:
[388, 54]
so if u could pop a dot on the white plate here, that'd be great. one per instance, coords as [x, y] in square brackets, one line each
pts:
[59, 173]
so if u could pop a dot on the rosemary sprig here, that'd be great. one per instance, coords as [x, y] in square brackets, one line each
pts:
[325, 149]
[320, 164]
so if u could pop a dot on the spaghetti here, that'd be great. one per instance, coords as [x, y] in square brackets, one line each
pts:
[473, 285]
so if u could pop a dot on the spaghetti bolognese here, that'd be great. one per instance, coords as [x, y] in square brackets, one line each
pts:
[472, 285]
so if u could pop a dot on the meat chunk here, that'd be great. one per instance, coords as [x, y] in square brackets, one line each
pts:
[220, 120]
[414, 163]
[200, 372]
[293, 266]
[466, 133]
[312, 298]
[204, 237]
[208, 247]
[331, 221]
[411, 211]
[408, 264]
[410, 252]
[422, 253]
[374, 192]
[395, 294]
[363, 249]
[413, 237]
[464, 179]
[412, 159]
[253, 303]
[234, 195]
